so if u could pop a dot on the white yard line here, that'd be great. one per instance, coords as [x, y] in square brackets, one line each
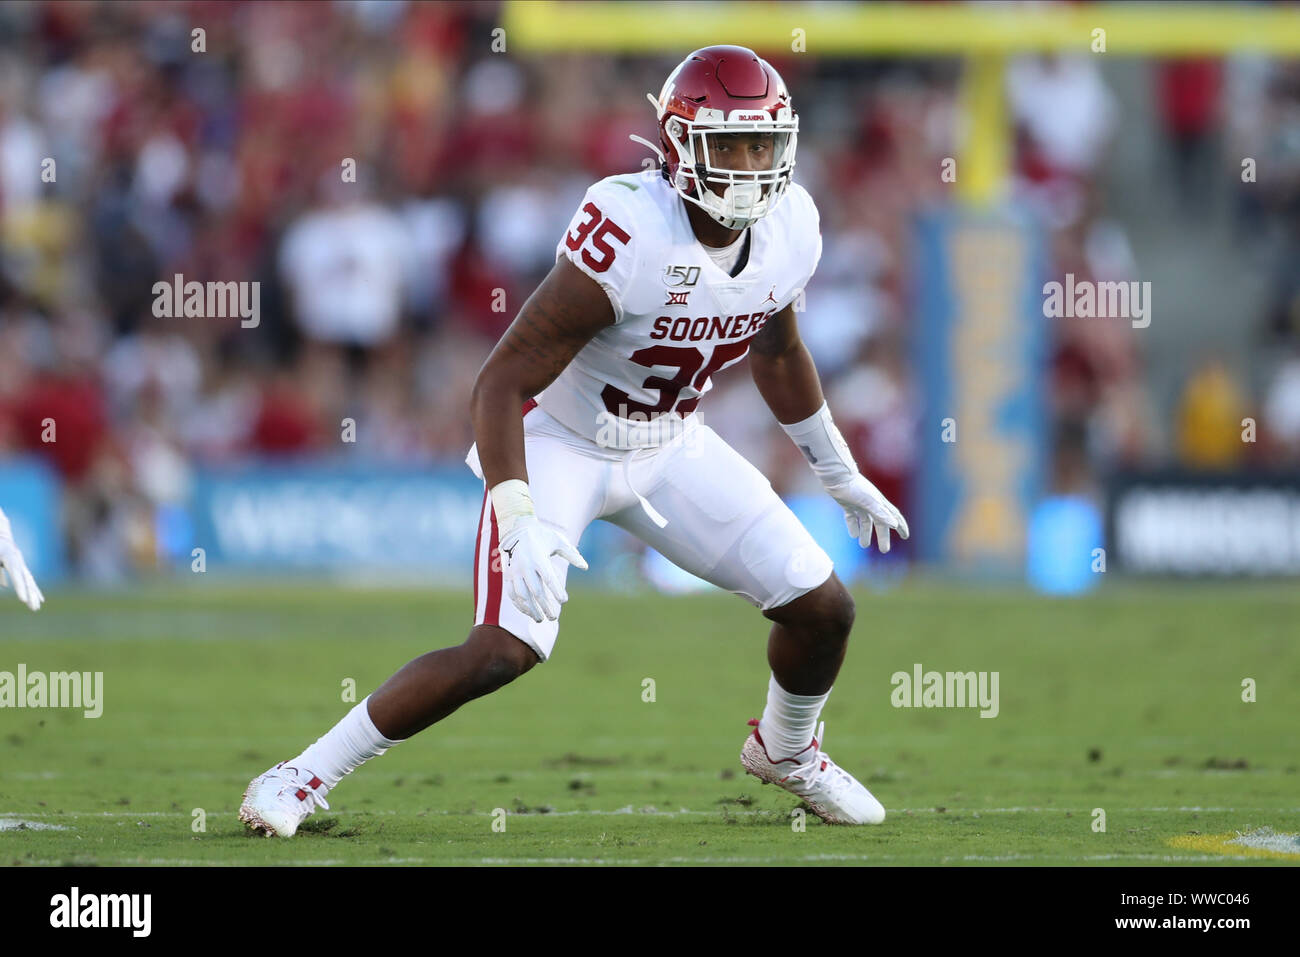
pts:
[655, 812]
[634, 862]
[21, 824]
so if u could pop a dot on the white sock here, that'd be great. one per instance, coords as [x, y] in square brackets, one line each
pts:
[788, 720]
[345, 747]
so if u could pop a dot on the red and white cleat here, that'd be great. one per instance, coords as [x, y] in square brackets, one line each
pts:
[835, 796]
[279, 800]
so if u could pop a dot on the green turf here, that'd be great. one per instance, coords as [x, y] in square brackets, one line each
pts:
[1129, 701]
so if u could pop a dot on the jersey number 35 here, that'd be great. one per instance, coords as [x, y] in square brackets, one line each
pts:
[603, 227]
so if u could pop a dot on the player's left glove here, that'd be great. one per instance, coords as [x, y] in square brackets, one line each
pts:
[865, 509]
[11, 562]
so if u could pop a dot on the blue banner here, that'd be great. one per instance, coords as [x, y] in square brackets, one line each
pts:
[29, 495]
[311, 517]
[979, 348]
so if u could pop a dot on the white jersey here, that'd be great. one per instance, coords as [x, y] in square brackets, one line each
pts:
[678, 317]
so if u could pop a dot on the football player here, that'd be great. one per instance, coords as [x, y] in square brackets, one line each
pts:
[14, 569]
[662, 280]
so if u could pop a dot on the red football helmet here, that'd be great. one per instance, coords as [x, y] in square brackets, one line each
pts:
[716, 91]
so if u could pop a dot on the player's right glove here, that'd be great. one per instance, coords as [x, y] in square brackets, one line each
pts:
[865, 509]
[526, 547]
[11, 562]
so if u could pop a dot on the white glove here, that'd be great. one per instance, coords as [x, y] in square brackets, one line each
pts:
[11, 561]
[865, 508]
[526, 547]
[828, 454]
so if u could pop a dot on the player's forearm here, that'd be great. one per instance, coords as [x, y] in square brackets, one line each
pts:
[788, 383]
[558, 319]
[498, 429]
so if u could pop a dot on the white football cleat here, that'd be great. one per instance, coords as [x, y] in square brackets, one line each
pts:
[834, 795]
[279, 800]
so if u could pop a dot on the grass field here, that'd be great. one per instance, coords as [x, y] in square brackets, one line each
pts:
[1129, 701]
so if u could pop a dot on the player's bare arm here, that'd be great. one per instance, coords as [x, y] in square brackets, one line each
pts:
[786, 377]
[783, 369]
[559, 318]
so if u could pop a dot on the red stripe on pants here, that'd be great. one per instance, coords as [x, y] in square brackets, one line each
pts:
[478, 544]
[492, 613]
[492, 610]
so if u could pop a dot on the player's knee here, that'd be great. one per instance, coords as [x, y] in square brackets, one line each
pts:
[844, 611]
[827, 611]
[496, 672]
[499, 658]
[835, 611]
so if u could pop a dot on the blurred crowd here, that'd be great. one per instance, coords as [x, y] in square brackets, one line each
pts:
[381, 293]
